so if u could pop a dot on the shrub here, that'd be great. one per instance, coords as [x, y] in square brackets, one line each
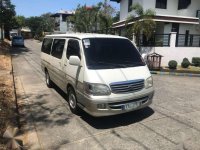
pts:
[172, 64]
[185, 63]
[196, 61]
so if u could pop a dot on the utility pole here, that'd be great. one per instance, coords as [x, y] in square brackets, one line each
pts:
[1, 18]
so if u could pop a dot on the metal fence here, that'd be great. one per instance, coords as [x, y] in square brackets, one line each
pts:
[157, 40]
[187, 40]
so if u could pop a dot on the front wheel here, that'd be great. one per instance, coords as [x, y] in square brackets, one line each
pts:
[72, 100]
[48, 80]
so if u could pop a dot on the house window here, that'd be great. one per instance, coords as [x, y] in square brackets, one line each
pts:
[183, 4]
[130, 2]
[161, 4]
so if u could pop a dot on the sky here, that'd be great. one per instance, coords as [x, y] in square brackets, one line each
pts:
[29, 8]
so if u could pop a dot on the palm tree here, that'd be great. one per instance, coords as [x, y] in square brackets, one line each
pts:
[143, 21]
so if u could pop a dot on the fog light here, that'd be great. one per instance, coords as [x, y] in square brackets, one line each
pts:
[101, 106]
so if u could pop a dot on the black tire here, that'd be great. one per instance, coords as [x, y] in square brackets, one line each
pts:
[72, 100]
[48, 80]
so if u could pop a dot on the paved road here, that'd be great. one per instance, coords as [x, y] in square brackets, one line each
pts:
[172, 122]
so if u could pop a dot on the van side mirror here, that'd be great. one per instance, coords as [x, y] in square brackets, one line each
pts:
[74, 60]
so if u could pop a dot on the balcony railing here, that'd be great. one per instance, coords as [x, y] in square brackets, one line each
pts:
[187, 40]
[157, 40]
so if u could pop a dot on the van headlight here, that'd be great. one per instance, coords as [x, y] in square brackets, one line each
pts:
[96, 89]
[149, 82]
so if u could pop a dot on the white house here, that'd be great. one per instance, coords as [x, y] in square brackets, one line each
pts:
[62, 24]
[181, 16]
[177, 23]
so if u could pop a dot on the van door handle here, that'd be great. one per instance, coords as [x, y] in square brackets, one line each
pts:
[65, 64]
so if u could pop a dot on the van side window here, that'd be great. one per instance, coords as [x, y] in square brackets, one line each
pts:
[46, 46]
[73, 48]
[57, 48]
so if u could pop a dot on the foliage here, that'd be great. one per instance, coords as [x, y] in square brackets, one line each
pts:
[172, 64]
[145, 24]
[47, 22]
[7, 13]
[116, 17]
[38, 25]
[34, 23]
[196, 61]
[185, 63]
[91, 19]
[20, 21]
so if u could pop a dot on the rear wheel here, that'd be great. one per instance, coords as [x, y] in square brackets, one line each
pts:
[48, 80]
[72, 100]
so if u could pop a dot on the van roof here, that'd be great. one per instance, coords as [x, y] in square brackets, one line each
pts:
[84, 35]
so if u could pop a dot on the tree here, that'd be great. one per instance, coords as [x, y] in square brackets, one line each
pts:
[7, 13]
[40, 24]
[106, 14]
[20, 20]
[91, 19]
[85, 18]
[47, 22]
[145, 24]
[116, 17]
[34, 23]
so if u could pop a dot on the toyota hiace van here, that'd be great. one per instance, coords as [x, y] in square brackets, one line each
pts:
[101, 74]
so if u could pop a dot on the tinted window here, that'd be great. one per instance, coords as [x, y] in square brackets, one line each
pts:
[109, 53]
[73, 48]
[46, 46]
[57, 48]
[161, 4]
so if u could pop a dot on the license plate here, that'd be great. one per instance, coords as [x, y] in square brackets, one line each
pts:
[130, 106]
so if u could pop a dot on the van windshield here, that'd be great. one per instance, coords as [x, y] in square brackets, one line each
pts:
[110, 53]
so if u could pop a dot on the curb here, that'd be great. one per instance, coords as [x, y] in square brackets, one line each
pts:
[175, 74]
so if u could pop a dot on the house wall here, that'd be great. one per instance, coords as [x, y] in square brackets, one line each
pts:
[194, 29]
[63, 26]
[177, 53]
[172, 8]
[123, 9]
[167, 28]
[192, 9]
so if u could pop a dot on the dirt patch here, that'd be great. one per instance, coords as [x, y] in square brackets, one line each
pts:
[7, 98]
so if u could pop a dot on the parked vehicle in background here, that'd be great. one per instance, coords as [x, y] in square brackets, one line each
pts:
[17, 41]
[101, 74]
[13, 33]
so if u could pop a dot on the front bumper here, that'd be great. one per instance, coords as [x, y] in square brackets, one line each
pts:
[114, 106]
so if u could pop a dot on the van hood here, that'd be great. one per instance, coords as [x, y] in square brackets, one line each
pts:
[107, 76]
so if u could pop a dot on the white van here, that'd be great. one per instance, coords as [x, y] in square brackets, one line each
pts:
[101, 74]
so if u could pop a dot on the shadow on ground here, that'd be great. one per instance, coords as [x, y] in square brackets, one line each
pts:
[118, 120]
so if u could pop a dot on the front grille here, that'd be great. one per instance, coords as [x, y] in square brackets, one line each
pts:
[127, 86]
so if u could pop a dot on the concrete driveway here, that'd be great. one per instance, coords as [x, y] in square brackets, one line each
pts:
[171, 122]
